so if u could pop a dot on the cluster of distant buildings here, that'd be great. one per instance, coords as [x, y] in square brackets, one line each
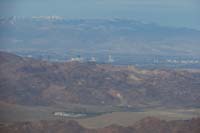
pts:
[93, 59]
[183, 61]
[136, 60]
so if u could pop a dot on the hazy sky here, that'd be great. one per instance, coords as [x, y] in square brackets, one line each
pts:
[165, 12]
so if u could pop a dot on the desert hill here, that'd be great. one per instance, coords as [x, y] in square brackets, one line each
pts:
[34, 82]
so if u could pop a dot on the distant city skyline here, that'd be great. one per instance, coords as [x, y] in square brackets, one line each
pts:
[177, 13]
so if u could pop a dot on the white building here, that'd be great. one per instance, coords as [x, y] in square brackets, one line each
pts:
[110, 59]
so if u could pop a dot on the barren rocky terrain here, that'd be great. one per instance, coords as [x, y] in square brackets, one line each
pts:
[27, 81]
[31, 90]
[146, 125]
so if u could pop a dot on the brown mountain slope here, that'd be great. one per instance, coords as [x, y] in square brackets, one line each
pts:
[153, 125]
[33, 82]
[44, 127]
[147, 125]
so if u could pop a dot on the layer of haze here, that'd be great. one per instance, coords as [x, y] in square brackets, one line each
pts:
[165, 12]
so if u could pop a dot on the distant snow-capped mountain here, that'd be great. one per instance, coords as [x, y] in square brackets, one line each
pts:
[96, 35]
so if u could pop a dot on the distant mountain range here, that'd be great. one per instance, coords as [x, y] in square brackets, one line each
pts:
[97, 36]
[27, 81]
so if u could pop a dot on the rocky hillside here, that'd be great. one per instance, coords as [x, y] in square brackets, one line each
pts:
[147, 125]
[33, 82]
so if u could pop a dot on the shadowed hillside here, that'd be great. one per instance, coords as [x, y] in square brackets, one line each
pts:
[147, 125]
